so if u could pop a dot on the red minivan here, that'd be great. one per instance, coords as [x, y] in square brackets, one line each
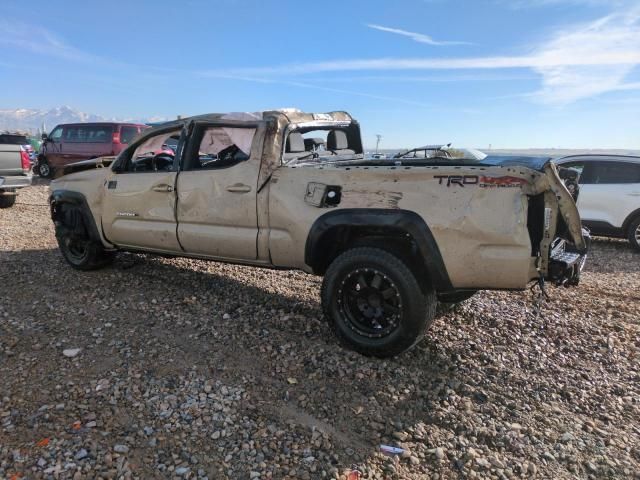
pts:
[72, 142]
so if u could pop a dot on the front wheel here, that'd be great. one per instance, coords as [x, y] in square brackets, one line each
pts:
[634, 233]
[77, 247]
[44, 169]
[374, 304]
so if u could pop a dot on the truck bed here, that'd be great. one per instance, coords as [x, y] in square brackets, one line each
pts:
[12, 175]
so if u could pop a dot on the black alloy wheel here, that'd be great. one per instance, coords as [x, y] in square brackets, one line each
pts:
[370, 302]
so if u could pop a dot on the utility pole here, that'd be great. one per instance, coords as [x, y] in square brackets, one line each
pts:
[378, 138]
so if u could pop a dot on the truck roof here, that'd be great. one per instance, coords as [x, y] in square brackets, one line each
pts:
[286, 115]
[84, 124]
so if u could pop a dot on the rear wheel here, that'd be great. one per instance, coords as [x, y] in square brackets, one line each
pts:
[634, 233]
[7, 201]
[374, 303]
[75, 243]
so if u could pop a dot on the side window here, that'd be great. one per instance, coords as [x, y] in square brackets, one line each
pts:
[127, 134]
[96, 134]
[155, 154]
[70, 134]
[219, 147]
[616, 173]
[56, 135]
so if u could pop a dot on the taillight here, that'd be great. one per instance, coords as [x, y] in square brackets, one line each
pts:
[24, 159]
[116, 137]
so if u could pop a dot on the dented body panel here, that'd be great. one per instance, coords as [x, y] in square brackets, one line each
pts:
[475, 228]
[486, 226]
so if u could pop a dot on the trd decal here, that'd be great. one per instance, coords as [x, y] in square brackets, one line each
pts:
[461, 180]
[481, 181]
[501, 182]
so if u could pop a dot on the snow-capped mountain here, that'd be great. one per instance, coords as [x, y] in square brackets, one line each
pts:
[32, 120]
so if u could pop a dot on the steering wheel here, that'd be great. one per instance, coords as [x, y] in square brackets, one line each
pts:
[162, 162]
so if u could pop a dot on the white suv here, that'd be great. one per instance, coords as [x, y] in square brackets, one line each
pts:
[609, 194]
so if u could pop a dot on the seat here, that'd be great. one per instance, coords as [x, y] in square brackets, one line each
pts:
[338, 143]
[294, 146]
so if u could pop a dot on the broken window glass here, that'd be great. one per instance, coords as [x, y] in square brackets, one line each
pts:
[155, 154]
[223, 147]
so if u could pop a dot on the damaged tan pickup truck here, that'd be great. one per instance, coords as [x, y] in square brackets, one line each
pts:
[286, 189]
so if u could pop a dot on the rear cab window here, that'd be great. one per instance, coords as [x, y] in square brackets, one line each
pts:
[315, 144]
[9, 139]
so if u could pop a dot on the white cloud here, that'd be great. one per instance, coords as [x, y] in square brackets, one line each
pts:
[614, 36]
[578, 62]
[40, 41]
[416, 37]
[625, 57]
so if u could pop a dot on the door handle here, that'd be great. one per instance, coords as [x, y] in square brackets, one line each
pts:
[162, 188]
[239, 188]
[635, 194]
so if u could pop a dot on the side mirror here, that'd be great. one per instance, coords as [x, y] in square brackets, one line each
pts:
[44, 137]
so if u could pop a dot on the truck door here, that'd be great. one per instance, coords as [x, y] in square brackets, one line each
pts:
[140, 196]
[216, 186]
[53, 146]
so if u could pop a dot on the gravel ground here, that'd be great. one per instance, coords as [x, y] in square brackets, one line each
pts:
[161, 368]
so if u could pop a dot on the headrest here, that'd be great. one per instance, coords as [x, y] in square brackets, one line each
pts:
[337, 140]
[295, 143]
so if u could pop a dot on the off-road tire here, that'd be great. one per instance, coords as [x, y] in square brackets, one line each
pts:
[417, 310]
[75, 243]
[7, 201]
[43, 169]
[634, 233]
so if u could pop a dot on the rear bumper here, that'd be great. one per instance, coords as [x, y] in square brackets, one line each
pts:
[566, 262]
[18, 181]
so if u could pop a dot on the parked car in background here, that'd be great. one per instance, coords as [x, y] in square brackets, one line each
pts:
[15, 167]
[609, 198]
[73, 142]
[428, 151]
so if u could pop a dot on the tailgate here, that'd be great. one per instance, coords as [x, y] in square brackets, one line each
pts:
[567, 206]
[564, 243]
[10, 160]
